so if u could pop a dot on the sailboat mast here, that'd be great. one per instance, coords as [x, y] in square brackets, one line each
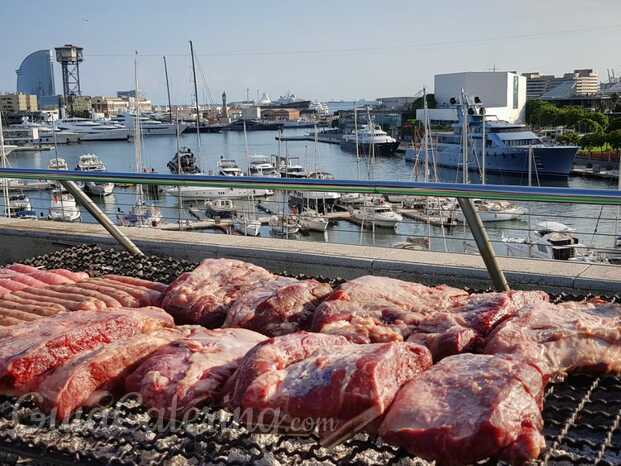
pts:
[483, 144]
[357, 142]
[426, 136]
[137, 132]
[170, 117]
[464, 135]
[5, 182]
[198, 113]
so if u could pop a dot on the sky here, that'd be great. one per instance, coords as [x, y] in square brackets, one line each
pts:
[317, 49]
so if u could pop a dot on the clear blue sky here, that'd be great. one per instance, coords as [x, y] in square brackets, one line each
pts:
[315, 48]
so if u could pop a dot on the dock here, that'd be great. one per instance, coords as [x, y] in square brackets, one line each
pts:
[435, 220]
[334, 139]
[609, 175]
[27, 187]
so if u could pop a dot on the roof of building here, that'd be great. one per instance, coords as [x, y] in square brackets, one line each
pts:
[564, 90]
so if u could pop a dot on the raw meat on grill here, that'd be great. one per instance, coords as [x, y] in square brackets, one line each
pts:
[48, 343]
[91, 376]
[278, 307]
[342, 389]
[204, 295]
[376, 309]
[276, 354]
[562, 339]
[191, 370]
[16, 277]
[464, 329]
[467, 408]
[107, 292]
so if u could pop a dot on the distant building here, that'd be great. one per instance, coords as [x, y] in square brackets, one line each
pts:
[35, 76]
[109, 106]
[395, 103]
[280, 114]
[579, 83]
[18, 103]
[502, 93]
[81, 105]
[251, 113]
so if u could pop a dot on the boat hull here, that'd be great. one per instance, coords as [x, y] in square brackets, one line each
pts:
[385, 149]
[200, 193]
[100, 189]
[549, 162]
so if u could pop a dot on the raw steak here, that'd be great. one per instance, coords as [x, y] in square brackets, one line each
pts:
[204, 295]
[465, 328]
[50, 342]
[16, 277]
[273, 355]
[341, 390]
[88, 295]
[278, 307]
[562, 339]
[469, 407]
[92, 375]
[191, 370]
[375, 309]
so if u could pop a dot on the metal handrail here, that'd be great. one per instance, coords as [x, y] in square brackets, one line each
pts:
[472, 191]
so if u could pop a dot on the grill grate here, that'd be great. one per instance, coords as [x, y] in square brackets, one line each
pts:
[582, 414]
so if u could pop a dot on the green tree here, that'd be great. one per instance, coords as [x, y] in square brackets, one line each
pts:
[593, 140]
[586, 125]
[569, 137]
[614, 124]
[614, 139]
[600, 118]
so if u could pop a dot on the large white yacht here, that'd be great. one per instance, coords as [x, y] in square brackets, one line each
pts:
[368, 138]
[261, 165]
[90, 130]
[150, 126]
[91, 163]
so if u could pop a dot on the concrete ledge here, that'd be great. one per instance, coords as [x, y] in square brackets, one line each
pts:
[20, 239]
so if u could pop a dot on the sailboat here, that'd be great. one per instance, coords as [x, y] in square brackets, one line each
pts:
[140, 214]
[205, 192]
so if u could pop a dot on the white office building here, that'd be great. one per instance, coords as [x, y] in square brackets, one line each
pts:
[503, 94]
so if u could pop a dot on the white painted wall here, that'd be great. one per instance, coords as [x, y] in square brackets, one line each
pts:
[495, 89]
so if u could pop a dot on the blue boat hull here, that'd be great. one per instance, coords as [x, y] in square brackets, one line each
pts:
[549, 161]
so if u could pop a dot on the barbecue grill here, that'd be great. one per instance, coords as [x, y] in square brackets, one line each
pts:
[582, 414]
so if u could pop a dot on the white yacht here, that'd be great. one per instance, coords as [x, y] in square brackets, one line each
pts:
[58, 164]
[20, 207]
[90, 130]
[552, 240]
[223, 208]
[150, 126]
[311, 220]
[91, 163]
[228, 167]
[284, 225]
[209, 193]
[261, 165]
[379, 215]
[63, 207]
[367, 137]
[288, 167]
[493, 211]
[246, 226]
[317, 200]
[141, 215]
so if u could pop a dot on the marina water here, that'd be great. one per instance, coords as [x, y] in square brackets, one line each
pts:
[594, 225]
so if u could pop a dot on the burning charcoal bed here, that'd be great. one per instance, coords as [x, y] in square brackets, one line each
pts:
[582, 414]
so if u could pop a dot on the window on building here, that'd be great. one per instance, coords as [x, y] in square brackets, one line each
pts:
[516, 88]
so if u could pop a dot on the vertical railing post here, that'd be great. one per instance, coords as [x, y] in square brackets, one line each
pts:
[101, 217]
[485, 248]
